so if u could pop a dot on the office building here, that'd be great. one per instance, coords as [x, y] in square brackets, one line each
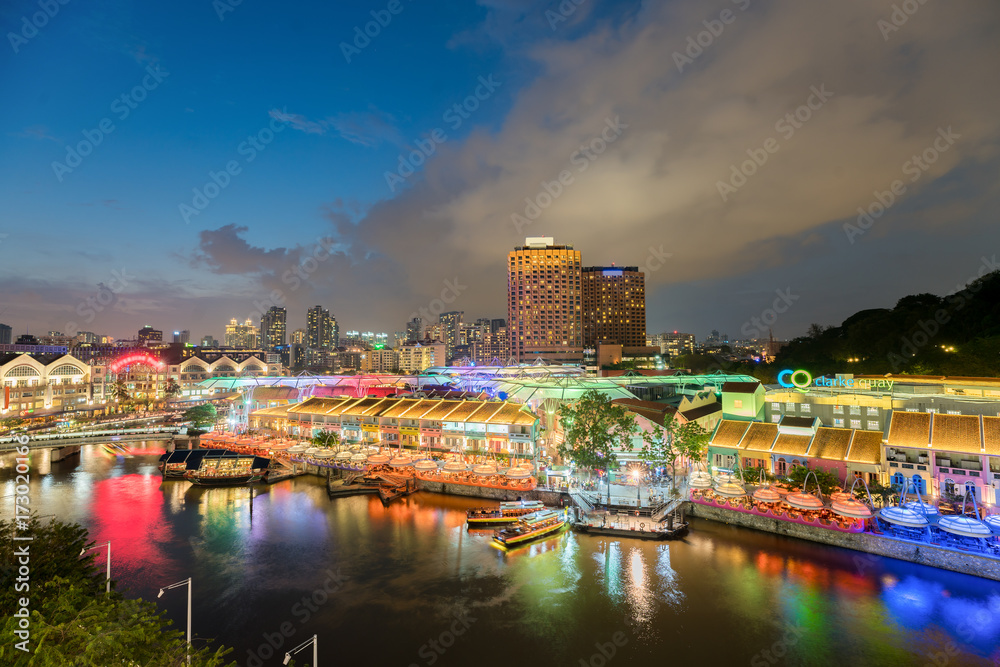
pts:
[421, 355]
[272, 328]
[674, 344]
[544, 312]
[414, 330]
[242, 335]
[5, 334]
[209, 341]
[182, 337]
[322, 332]
[148, 335]
[451, 327]
[614, 306]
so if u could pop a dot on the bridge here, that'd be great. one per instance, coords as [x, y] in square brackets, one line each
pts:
[49, 440]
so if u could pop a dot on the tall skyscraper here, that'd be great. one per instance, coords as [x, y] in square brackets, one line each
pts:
[299, 337]
[5, 333]
[414, 330]
[242, 335]
[543, 302]
[320, 327]
[272, 328]
[614, 305]
[182, 336]
[451, 327]
[496, 324]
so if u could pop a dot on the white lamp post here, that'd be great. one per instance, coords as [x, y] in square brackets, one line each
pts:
[312, 640]
[185, 582]
[98, 546]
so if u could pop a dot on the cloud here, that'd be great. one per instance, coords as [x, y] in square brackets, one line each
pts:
[366, 128]
[36, 132]
[224, 251]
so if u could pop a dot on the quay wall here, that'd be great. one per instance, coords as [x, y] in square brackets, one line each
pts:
[548, 497]
[922, 554]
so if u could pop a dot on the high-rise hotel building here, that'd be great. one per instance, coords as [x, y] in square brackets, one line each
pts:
[614, 306]
[544, 302]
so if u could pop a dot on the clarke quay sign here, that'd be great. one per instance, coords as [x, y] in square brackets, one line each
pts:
[801, 380]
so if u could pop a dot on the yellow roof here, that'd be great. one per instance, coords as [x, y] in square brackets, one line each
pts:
[485, 411]
[506, 413]
[991, 435]
[362, 406]
[419, 409]
[441, 410]
[277, 411]
[794, 445]
[866, 447]
[759, 437]
[343, 404]
[729, 433]
[463, 410]
[315, 406]
[831, 443]
[909, 429]
[957, 433]
[399, 407]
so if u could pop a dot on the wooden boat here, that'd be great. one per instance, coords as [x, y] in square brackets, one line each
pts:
[507, 512]
[531, 527]
[226, 468]
[173, 465]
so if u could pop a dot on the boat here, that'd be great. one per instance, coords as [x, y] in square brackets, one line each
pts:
[226, 468]
[531, 527]
[173, 465]
[507, 512]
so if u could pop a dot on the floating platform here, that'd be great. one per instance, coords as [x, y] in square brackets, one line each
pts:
[632, 532]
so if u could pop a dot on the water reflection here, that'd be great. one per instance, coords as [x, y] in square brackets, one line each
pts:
[409, 567]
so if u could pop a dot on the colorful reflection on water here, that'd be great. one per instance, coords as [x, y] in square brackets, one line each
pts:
[260, 557]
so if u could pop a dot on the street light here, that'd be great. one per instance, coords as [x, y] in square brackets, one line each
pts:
[107, 588]
[185, 582]
[313, 641]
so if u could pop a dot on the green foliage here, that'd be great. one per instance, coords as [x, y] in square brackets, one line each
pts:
[201, 415]
[692, 441]
[828, 482]
[595, 429]
[72, 620]
[120, 392]
[326, 438]
[172, 388]
[882, 494]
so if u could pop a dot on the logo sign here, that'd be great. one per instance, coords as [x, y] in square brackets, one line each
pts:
[801, 380]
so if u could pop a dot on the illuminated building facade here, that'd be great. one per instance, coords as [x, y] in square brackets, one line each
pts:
[242, 335]
[451, 327]
[544, 311]
[322, 331]
[614, 305]
[148, 335]
[272, 328]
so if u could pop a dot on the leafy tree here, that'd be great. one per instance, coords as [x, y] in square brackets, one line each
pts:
[881, 493]
[828, 481]
[326, 438]
[120, 392]
[692, 441]
[661, 446]
[201, 416]
[72, 620]
[595, 429]
[172, 388]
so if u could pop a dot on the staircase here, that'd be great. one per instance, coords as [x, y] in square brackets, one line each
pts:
[666, 508]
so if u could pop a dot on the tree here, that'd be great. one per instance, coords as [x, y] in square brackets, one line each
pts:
[692, 441]
[172, 388]
[827, 480]
[883, 493]
[660, 446]
[326, 438]
[594, 430]
[72, 620]
[201, 415]
[120, 392]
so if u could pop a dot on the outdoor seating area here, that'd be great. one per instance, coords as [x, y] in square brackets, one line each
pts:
[823, 517]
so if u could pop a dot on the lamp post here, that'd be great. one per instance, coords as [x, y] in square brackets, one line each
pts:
[638, 489]
[185, 582]
[107, 588]
[312, 640]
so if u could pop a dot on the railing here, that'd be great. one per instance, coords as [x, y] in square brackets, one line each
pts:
[9, 442]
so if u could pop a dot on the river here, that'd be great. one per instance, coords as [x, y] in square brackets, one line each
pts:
[409, 585]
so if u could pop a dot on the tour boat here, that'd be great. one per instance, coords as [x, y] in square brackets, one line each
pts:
[531, 527]
[227, 468]
[508, 512]
[173, 465]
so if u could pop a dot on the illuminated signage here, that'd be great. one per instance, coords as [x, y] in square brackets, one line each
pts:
[137, 358]
[801, 380]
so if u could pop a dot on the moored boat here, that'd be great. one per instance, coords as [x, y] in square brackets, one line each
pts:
[531, 527]
[507, 512]
[226, 468]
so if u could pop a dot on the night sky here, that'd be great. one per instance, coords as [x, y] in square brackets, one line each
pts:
[187, 162]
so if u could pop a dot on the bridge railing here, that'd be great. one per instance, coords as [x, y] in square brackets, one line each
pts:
[56, 437]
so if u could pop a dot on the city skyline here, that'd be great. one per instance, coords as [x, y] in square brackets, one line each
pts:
[729, 187]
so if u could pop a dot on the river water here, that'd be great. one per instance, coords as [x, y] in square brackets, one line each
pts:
[409, 585]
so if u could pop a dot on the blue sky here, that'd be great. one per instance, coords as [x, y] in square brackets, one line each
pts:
[554, 85]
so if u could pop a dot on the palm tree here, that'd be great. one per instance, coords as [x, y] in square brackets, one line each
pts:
[119, 391]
